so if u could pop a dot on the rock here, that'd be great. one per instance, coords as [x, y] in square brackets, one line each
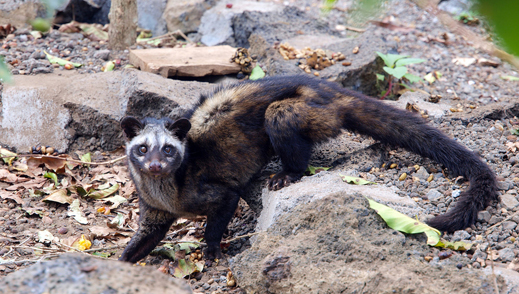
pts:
[278, 203]
[19, 13]
[359, 76]
[186, 62]
[150, 14]
[433, 195]
[506, 254]
[509, 225]
[92, 11]
[495, 219]
[434, 110]
[216, 25]
[484, 216]
[102, 54]
[185, 15]
[460, 235]
[504, 185]
[421, 173]
[76, 273]
[323, 235]
[74, 111]
[509, 201]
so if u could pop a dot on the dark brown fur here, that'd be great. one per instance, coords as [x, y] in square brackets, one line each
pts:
[236, 130]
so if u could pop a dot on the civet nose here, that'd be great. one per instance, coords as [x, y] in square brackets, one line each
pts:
[155, 166]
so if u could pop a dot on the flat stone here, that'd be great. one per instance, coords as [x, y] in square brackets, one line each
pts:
[186, 62]
[434, 110]
[509, 201]
[509, 225]
[484, 216]
[75, 273]
[102, 54]
[433, 194]
[77, 108]
[460, 235]
[421, 173]
[506, 254]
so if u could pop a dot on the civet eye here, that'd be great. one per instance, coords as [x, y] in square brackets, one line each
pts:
[168, 150]
[143, 149]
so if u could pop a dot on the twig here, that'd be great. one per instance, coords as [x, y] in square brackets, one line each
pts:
[68, 159]
[240, 237]
[355, 29]
[183, 36]
[105, 248]
[8, 262]
[499, 223]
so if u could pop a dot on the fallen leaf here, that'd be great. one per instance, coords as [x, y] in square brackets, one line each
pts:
[54, 164]
[312, 170]
[6, 176]
[75, 211]
[101, 232]
[185, 268]
[257, 73]
[104, 193]
[393, 27]
[510, 78]
[5, 152]
[458, 246]
[355, 180]
[59, 196]
[52, 176]
[116, 201]
[62, 62]
[11, 195]
[117, 222]
[464, 61]
[45, 237]
[401, 222]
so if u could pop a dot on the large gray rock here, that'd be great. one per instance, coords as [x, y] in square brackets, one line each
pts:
[359, 76]
[151, 16]
[216, 26]
[185, 15]
[75, 273]
[338, 245]
[73, 110]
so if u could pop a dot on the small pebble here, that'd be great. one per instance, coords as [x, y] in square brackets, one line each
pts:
[63, 230]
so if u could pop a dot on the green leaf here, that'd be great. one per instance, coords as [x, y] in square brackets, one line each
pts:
[102, 254]
[397, 72]
[429, 78]
[188, 246]
[52, 176]
[6, 152]
[412, 78]
[401, 222]
[117, 221]
[257, 73]
[186, 267]
[407, 61]
[109, 66]
[355, 180]
[86, 157]
[458, 246]
[380, 77]
[62, 62]
[515, 132]
[312, 170]
[90, 29]
[104, 193]
[5, 73]
[510, 78]
[41, 25]
[390, 59]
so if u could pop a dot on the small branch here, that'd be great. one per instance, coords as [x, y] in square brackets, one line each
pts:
[240, 237]
[355, 29]
[104, 248]
[68, 159]
[9, 262]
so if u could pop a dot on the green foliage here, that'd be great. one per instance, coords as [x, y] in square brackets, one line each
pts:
[502, 16]
[396, 66]
[257, 73]
[327, 6]
[5, 73]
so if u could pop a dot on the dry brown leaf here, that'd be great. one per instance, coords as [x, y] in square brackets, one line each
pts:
[54, 164]
[6, 176]
[11, 195]
[392, 27]
[59, 196]
[36, 183]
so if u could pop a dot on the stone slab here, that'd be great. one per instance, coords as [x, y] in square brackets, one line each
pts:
[84, 110]
[186, 62]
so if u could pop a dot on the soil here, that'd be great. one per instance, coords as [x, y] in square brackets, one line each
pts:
[464, 89]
